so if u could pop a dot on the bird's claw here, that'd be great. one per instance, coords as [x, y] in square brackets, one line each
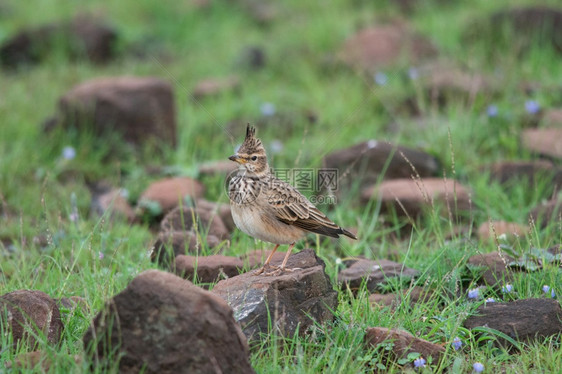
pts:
[280, 271]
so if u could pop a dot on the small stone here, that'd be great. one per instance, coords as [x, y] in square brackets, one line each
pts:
[495, 267]
[544, 141]
[222, 209]
[493, 230]
[412, 197]
[113, 202]
[377, 47]
[373, 273]
[196, 220]
[392, 300]
[170, 244]
[140, 109]
[546, 213]
[529, 171]
[403, 343]
[523, 320]
[213, 87]
[164, 324]
[82, 37]
[29, 312]
[366, 162]
[290, 302]
[169, 192]
[207, 269]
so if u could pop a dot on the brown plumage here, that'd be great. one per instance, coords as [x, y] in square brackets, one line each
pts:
[270, 209]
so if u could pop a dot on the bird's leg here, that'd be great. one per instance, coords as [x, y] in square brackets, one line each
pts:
[281, 269]
[267, 260]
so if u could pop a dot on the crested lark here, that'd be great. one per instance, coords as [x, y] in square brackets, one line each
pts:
[270, 209]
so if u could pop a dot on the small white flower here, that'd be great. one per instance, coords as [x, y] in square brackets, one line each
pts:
[68, 152]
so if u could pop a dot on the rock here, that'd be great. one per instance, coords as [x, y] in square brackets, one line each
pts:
[112, 203]
[290, 302]
[411, 197]
[495, 266]
[488, 231]
[141, 109]
[378, 47]
[171, 244]
[373, 273]
[412, 296]
[83, 37]
[518, 29]
[182, 219]
[368, 160]
[208, 269]
[255, 259]
[213, 87]
[404, 343]
[31, 312]
[222, 209]
[523, 320]
[531, 171]
[544, 141]
[164, 324]
[546, 213]
[169, 192]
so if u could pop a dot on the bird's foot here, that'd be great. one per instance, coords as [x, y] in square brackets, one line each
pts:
[263, 269]
[280, 271]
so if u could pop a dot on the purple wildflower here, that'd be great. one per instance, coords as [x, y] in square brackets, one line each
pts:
[473, 294]
[478, 367]
[457, 343]
[532, 107]
[419, 362]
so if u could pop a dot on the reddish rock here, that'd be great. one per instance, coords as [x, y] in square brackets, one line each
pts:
[412, 296]
[82, 37]
[495, 267]
[213, 87]
[255, 259]
[531, 171]
[403, 343]
[222, 209]
[372, 273]
[184, 219]
[523, 320]
[544, 141]
[112, 203]
[492, 230]
[170, 244]
[366, 161]
[546, 213]
[31, 312]
[519, 29]
[169, 192]
[290, 302]
[207, 269]
[164, 324]
[141, 109]
[378, 47]
[411, 197]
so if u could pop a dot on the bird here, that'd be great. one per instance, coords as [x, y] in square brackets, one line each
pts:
[270, 209]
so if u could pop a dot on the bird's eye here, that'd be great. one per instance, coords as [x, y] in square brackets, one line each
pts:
[254, 158]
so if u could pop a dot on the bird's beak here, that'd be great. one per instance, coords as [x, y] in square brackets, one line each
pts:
[237, 159]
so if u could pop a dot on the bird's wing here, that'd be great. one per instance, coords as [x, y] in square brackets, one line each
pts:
[293, 208]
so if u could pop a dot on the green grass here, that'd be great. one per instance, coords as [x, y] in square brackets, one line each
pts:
[184, 44]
